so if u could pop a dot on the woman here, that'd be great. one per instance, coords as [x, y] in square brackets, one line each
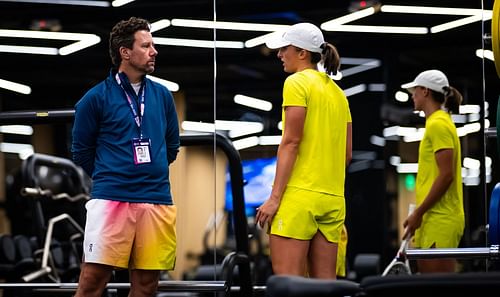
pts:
[306, 208]
[438, 221]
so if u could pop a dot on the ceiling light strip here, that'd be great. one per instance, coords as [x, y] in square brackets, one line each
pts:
[456, 23]
[253, 102]
[348, 18]
[45, 35]
[64, 2]
[227, 25]
[197, 43]
[377, 29]
[15, 87]
[172, 86]
[118, 3]
[38, 50]
[161, 24]
[429, 10]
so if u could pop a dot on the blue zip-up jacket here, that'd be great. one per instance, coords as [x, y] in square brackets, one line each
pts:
[102, 142]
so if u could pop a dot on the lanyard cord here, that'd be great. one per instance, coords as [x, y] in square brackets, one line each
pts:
[140, 102]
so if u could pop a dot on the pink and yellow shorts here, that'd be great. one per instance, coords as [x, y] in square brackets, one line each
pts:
[130, 235]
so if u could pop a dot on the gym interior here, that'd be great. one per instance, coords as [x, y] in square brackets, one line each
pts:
[213, 59]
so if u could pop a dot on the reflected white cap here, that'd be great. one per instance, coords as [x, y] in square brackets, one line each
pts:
[431, 79]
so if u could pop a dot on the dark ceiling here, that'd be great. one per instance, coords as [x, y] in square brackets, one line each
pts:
[59, 81]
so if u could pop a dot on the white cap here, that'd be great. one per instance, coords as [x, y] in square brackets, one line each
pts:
[303, 35]
[431, 79]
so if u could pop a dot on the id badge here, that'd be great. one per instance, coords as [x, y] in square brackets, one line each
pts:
[142, 150]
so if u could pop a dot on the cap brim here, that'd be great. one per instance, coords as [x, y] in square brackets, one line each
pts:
[409, 86]
[276, 41]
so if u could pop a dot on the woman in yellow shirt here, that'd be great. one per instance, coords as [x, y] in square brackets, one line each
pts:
[306, 208]
[438, 220]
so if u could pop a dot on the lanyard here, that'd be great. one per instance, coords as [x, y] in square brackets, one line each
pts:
[137, 116]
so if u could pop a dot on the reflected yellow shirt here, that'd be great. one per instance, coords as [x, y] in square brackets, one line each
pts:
[440, 133]
[321, 161]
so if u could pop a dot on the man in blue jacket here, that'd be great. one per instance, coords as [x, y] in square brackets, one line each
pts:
[125, 136]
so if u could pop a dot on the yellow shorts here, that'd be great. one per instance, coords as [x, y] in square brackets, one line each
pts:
[438, 231]
[130, 235]
[302, 213]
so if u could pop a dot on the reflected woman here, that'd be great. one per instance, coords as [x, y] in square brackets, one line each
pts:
[438, 221]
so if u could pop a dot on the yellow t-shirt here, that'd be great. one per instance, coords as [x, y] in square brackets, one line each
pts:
[440, 133]
[321, 161]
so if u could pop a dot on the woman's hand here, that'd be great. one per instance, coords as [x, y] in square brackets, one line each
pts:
[412, 223]
[266, 212]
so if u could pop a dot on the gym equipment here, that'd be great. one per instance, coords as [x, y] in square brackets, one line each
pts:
[54, 178]
[475, 284]
[475, 252]
[296, 286]
[495, 35]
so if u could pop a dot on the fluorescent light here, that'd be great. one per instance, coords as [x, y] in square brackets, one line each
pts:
[471, 163]
[473, 15]
[173, 87]
[15, 87]
[401, 96]
[270, 140]
[246, 142]
[83, 40]
[280, 125]
[407, 168]
[66, 2]
[260, 39]
[198, 126]
[362, 65]
[468, 129]
[37, 50]
[333, 24]
[429, 10]
[469, 108]
[377, 140]
[24, 150]
[198, 43]
[380, 29]
[16, 129]
[158, 25]
[415, 136]
[118, 3]
[488, 54]
[235, 128]
[253, 102]
[376, 87]
[228, 25]
[456, 23]
[355, 90]
[77, 46]
[394, 160]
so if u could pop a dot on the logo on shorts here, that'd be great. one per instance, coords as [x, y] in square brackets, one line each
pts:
[90, 247]
[280, 224]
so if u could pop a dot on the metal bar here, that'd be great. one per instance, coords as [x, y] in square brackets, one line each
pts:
[239, 217]
[37, 117]
[490, 132]
[177, 286]
[441, 253]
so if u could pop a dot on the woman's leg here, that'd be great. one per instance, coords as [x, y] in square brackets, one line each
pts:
[322, 258]
[288, 255]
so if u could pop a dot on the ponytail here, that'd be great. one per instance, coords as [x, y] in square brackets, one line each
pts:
[452, 99]
[330, 58]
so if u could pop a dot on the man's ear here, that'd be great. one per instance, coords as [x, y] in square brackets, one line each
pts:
[124, 53]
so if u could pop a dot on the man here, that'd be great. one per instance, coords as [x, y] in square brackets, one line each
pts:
[131, 216]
